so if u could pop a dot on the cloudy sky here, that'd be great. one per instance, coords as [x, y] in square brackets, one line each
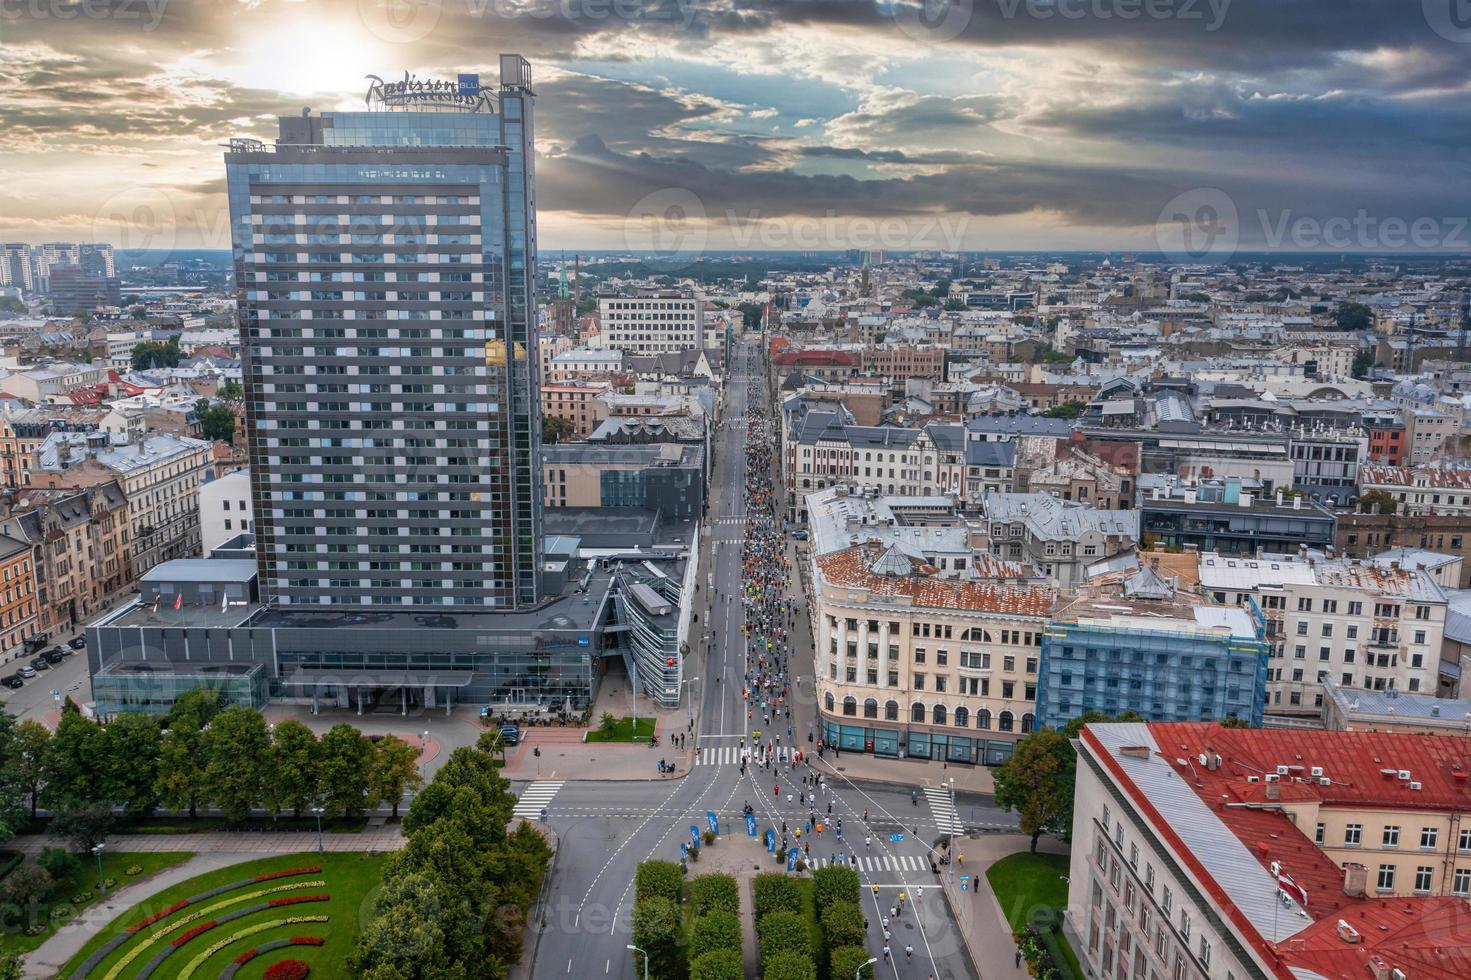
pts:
[759, 124]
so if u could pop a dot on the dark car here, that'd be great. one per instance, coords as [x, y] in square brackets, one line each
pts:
[80, 643]
[54, 656]
[41, 663]
[12, 681]
[511, 734]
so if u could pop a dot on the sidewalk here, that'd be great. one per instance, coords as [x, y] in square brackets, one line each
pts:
[47, 959]
[983, 925]
[237, 842]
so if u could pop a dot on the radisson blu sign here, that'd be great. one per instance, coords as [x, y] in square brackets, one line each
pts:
[463, 94]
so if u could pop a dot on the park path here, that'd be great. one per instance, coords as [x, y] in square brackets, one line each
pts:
[235, 842]
[47, 959]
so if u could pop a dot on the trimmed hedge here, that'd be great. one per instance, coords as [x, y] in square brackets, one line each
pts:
[789, 966]
[775, 892]
[846, 961]
[715, 930]
[842, 925]
[835, 884]
[658, 879]
[715, 891]
[783, 932]
[722, 964]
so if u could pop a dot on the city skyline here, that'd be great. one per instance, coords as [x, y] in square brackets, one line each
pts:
[1195, 128]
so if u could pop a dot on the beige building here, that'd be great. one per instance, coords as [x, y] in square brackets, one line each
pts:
[581, 404]
[1181, 831]
[1417, 490]
[916, 660]
[160, 477]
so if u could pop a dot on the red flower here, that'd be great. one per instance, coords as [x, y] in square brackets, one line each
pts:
[150, 920]
[298, 899]
[307, 940]
[288, 970]
[247, 956]
[289, 872]
[183, 938]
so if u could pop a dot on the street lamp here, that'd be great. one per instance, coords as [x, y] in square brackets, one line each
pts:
[954, 814]
[688, 700]
[318, 811]
[646, 959]
[101, 883]
[858, 973]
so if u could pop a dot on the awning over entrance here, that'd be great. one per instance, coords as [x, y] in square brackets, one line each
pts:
[380, 678]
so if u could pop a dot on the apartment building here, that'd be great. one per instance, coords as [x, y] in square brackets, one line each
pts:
[160, 477]
[581, 404]
[900, 362]
[1435, 488]
[52, 381]
[18, 609]
[1085, 478]
[1358, 624]
[1186, 835]
[584, 362]
[1058, 537]
[224, 509]
[1426, 433]
[654, 321]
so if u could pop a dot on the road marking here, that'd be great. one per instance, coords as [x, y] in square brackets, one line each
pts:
[536, 797]
[945, 816]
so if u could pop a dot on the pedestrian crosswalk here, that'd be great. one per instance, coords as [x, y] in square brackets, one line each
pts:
[731, 520]
[944, 811]
[536, 797]
[723, 755]
[876, 864]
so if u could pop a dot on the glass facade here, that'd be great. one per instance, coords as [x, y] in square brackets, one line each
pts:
[154, 688]
[384, 262]
[652, 640]
[913, 743]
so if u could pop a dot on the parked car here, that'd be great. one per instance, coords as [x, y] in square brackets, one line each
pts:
[12, 681]
[27, 671]
[799, 535]
[511, 734]
[80, 643]
[41, 663]
[54, 656]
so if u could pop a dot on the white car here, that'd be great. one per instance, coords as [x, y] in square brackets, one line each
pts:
[27, 671]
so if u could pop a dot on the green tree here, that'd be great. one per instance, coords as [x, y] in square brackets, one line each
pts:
[9, 304]
[237, 747]
[714, 891]
[407, 937]
[57, 861]
[27, 884]
[83, 825]
[231, 390]
[1027, 783]
[714, 930]
[847, 961]
[1363, 362]
[782, 932]
[789, 966]
[1066, 410]
[156, 354]
[1234, 722]
[197, 706]
[11, 969]
[73, 777]
[656, 930]
[215, 421]
[555, 429]
[1353, 316]
[130, 750]
[13, 784]
[842, 924]
[344, 772]
[395, 769]
[182, 776]
[658, 879]
[722, 964]
[955, 303]
[1383, 499]
[31, 741]
[293, 768]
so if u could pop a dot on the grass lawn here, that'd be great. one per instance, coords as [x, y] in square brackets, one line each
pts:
[83, 881]
[623, 731]
[349, 878]
[1026, 883]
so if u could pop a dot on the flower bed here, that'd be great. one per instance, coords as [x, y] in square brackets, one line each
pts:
[189, 934]
[288, 873]
[298, 899]
[229, 971]
[288, 970]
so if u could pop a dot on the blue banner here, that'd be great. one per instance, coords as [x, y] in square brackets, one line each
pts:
[712, 821]
[683, 848]
[751, 824]
[771, 839]
[792, 859]
[695, 834]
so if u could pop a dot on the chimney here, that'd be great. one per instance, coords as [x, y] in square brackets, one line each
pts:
[1355, 880]
[1274, 790]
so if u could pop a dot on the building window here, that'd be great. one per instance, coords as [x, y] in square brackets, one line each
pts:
[1353, 834]
[1428, 837]
[1461, 882]
[1423, 877]
[1391, 836]
[850, 705]
[1386, 878]
[891, 710]
[1318, 834]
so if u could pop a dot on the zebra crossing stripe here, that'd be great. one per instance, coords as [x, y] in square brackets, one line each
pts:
[536, 796]
[946, 818]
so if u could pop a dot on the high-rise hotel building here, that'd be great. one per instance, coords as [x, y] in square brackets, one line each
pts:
[385, 261]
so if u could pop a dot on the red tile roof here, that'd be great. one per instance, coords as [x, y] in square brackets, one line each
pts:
[809, 357]
[852, 568]
[1428, 938]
